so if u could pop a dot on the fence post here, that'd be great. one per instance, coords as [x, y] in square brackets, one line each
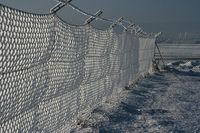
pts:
[154, 62]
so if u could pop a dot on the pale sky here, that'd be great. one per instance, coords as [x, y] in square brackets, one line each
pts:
[152, 15]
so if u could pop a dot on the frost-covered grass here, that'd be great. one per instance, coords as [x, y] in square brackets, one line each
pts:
[163, 102]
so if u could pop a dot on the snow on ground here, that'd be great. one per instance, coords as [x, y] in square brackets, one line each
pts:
[164, 102]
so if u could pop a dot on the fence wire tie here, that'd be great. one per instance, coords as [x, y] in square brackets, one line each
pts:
[116, 22]
[59, 6]
[97, 14]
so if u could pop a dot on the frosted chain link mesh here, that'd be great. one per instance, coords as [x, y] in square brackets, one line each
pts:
[50, 71]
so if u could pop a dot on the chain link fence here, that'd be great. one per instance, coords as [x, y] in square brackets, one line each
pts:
[51, 71]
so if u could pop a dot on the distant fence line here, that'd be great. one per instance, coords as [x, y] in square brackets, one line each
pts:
[51, 71]
[172, 52]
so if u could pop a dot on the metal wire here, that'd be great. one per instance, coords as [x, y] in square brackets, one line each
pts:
[91, 15]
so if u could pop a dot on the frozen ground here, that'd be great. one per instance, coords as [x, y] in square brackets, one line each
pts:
[163, 102]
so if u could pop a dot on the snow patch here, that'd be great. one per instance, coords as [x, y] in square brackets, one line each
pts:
[162, 102]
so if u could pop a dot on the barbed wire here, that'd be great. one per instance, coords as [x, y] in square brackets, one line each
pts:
[138, 30]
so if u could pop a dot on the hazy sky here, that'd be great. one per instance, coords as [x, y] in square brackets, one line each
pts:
[153, 15]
